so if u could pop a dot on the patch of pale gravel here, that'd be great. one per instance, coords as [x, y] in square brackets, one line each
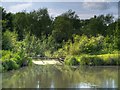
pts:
[45, 62]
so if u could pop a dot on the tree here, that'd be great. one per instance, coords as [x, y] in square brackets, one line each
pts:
[65, 25]
[40, 22]
[21, 24]
[74, 19]
[7, 19]
[62, 29]
[98, 25]
[117, 34]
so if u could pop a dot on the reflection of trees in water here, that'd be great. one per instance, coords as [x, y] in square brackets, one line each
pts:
[59, 76]
[19, 78]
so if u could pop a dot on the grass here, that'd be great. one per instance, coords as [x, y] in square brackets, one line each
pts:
[93, 60]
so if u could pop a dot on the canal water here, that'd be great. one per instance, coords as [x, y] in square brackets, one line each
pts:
[58, 76]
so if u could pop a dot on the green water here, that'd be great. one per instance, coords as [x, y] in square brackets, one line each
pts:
[53, 76]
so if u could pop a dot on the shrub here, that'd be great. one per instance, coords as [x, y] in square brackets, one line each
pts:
[83, 45]
[84, 60]
[12, 60]
[71, 61]
[94, 60]
[10, 65]
[9, 40]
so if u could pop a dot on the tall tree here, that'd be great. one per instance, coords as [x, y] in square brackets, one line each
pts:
[62, 29]
[65, 26]
[21, 24]
[98, 25]
[74, 19]
[7, 19]
[40, 22]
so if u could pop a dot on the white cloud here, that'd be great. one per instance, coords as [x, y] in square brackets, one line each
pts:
[85, 16]
[19, 7]
[55, 12]
[96, 5]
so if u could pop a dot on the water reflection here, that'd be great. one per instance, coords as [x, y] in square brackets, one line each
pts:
[53, 76]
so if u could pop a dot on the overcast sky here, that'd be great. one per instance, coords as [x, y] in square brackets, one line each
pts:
[83, 9]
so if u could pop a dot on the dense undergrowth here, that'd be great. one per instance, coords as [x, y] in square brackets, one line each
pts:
[14, 55]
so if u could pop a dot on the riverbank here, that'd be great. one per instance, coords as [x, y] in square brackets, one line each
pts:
[90, 60]
[93, 60]
[13, 61]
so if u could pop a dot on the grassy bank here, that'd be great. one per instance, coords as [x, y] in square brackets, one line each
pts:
[93, 60]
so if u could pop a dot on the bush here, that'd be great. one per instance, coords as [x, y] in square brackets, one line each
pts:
[10, 65]
[84, 60]
[12, 60]
[9, 40]
[71, 61]
[83, 45]
[97, 61]
[87, 45]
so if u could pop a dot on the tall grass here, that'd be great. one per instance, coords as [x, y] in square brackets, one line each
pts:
[94, 60]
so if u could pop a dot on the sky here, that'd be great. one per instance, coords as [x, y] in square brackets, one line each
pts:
[85, 9]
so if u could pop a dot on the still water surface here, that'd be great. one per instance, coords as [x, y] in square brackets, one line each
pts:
[53, 76]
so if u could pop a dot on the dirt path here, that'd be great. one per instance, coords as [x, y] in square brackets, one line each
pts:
[45, 62]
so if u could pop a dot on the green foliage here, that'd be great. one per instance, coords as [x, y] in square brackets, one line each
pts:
[83, 44]
[65, 25]
[36, 33]
[31, 45]
[7, 19]
[90, 45]
[12, 60]
[61, 28]
[37, 22]
[110, 59]
[43, 47]
[9, 40]
[117, 34]
[40, 22]
[7, 61]
[21, 28]
[71, 60]
[9, 65]
[91, 60]
[94, 60]
[97, 25]
[87, 45]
